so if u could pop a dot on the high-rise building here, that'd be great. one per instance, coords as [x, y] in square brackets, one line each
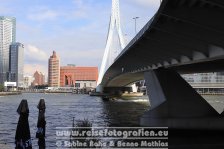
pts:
[79, 77]
[54, 71]
[7, 37]
[39, 79]
[16, 63]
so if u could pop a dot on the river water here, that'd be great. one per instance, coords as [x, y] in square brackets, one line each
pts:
[60, 111]
[62, 108]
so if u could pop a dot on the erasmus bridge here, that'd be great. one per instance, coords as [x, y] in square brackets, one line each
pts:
[184, 36]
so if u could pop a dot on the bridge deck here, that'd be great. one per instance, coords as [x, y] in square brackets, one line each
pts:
[186, 35]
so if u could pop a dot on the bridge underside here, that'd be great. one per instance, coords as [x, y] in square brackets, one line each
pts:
[185, 36]
[128, 78]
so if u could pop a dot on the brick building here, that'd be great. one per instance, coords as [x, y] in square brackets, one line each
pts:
[39, 79]
[79, 77]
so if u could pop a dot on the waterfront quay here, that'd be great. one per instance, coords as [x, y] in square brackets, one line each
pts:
[60, 90]
[10, 93]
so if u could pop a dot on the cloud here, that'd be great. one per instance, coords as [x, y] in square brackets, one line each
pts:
[146, 3]
[29, 69]
[79, 37]
[82, 57]
[5, 10]
[78, 3]
[76, 9]
[26, 30]
[84, 47]
[34, 54]
[43, 14]
[78, 14]
[82, 9]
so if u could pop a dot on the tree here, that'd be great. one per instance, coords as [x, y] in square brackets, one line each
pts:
[1, 87]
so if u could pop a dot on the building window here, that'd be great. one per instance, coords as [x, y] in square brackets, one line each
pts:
[77, 85]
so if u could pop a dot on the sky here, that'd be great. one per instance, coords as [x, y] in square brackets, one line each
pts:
[75, 29]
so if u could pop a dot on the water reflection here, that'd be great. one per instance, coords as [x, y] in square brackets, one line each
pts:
[124, 113]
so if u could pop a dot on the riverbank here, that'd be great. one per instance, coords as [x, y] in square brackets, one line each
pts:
[54, 91]
[46, 92]
[10, 93]
[219, 94]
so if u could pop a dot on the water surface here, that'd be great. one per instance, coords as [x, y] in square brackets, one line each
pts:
[60, 111]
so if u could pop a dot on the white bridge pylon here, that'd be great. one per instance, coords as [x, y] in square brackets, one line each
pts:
[115, 25]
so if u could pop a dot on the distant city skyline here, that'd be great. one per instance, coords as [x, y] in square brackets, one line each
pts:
[74, 28]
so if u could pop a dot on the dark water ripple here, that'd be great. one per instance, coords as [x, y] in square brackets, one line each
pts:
[61, 108]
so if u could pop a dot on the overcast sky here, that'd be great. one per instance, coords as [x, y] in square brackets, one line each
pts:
[75, 29]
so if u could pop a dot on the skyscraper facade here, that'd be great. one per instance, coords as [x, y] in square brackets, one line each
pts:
[7, 37]
[54, 71]
[16, 63]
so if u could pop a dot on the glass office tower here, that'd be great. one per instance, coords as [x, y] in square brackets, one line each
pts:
[16, 63]
[7, 37]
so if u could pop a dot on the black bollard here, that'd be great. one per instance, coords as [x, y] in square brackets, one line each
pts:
[22, 137]
[41, 124]
[41, 143]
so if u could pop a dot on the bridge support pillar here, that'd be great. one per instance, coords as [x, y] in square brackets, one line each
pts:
[175, 104]
[99, 89]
